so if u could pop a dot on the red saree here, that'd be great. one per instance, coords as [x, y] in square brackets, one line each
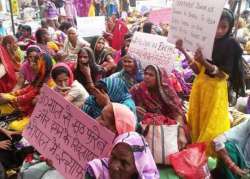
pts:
[8, 81]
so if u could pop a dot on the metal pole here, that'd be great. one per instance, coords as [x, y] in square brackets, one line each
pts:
[238, 17]
[12, 18]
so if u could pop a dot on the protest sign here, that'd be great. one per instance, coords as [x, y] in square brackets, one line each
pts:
[195, 22]
[91, 26]
[160, 16]
[65, 135]
[153, 50]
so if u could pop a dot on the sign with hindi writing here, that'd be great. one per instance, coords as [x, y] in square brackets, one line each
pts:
[153, 50]
[67, 136]
[160, 16]
[195, 22]
[91, 26]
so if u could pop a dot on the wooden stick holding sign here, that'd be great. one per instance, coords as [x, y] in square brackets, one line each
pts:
[65, 135]
[195, 22]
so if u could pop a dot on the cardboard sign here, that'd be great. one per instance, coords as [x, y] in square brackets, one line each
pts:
[153, 50]
[195, 22]
[160, 16]
[91, 26]
[65, 135]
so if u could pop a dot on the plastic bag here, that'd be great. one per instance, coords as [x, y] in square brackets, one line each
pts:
[191, 163]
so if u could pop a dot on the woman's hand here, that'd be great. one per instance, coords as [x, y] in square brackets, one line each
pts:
[182, 139]
[9, 133]
[179, 45]
[85, 69]
[238, 171]
[101, 97]
[5, 144]
[198, 56]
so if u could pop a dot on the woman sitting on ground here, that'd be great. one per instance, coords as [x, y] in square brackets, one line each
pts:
[132, 72]
[87, 72]
[105, 91]
[103, 56]
[156, 95]
[130, 158]
[233, 149]
[71, 89]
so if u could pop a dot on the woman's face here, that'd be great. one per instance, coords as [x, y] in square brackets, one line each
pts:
[72, 35]
[100, 45]
[12, 45]
[222, 28]
[33, 59]
[121, 163]
[129, 65]
[46, 37]
[107, 118]
[150, 78]
[62, 80]
[83, 58]
[127, 43]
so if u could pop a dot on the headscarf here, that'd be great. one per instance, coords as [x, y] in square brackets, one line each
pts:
[166, 91]
[169, 105]
[125, 120]
[117, 92]
[45, 64]
[64, 67]
[227, 56]
[101, 56]
[15, 58]
[8, 81]
[144, 160]
[95, 69]
[139, 74]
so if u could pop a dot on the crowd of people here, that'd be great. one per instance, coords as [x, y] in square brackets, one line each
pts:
[100, 77]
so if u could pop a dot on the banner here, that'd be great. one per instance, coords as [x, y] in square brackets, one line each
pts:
[153, 50]
[160, 16]
[65, 135]
[195, 22]
[91, 26]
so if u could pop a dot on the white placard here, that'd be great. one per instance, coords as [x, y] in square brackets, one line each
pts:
[195, 22]
[91, 26]
[153, 50]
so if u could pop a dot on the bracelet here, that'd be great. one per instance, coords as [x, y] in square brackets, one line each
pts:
[191, 62]
[215, 70]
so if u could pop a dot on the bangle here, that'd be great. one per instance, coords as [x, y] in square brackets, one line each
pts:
[191, 62]
[215, 70]
[89, 82]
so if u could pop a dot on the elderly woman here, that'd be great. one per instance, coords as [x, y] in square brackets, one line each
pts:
[87, 72]
[130, 158]
[118, 118]
[132, 72]
[73, 44]
[103, 56]
[233, 148]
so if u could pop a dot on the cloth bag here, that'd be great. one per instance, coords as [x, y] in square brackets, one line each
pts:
[161, 134]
